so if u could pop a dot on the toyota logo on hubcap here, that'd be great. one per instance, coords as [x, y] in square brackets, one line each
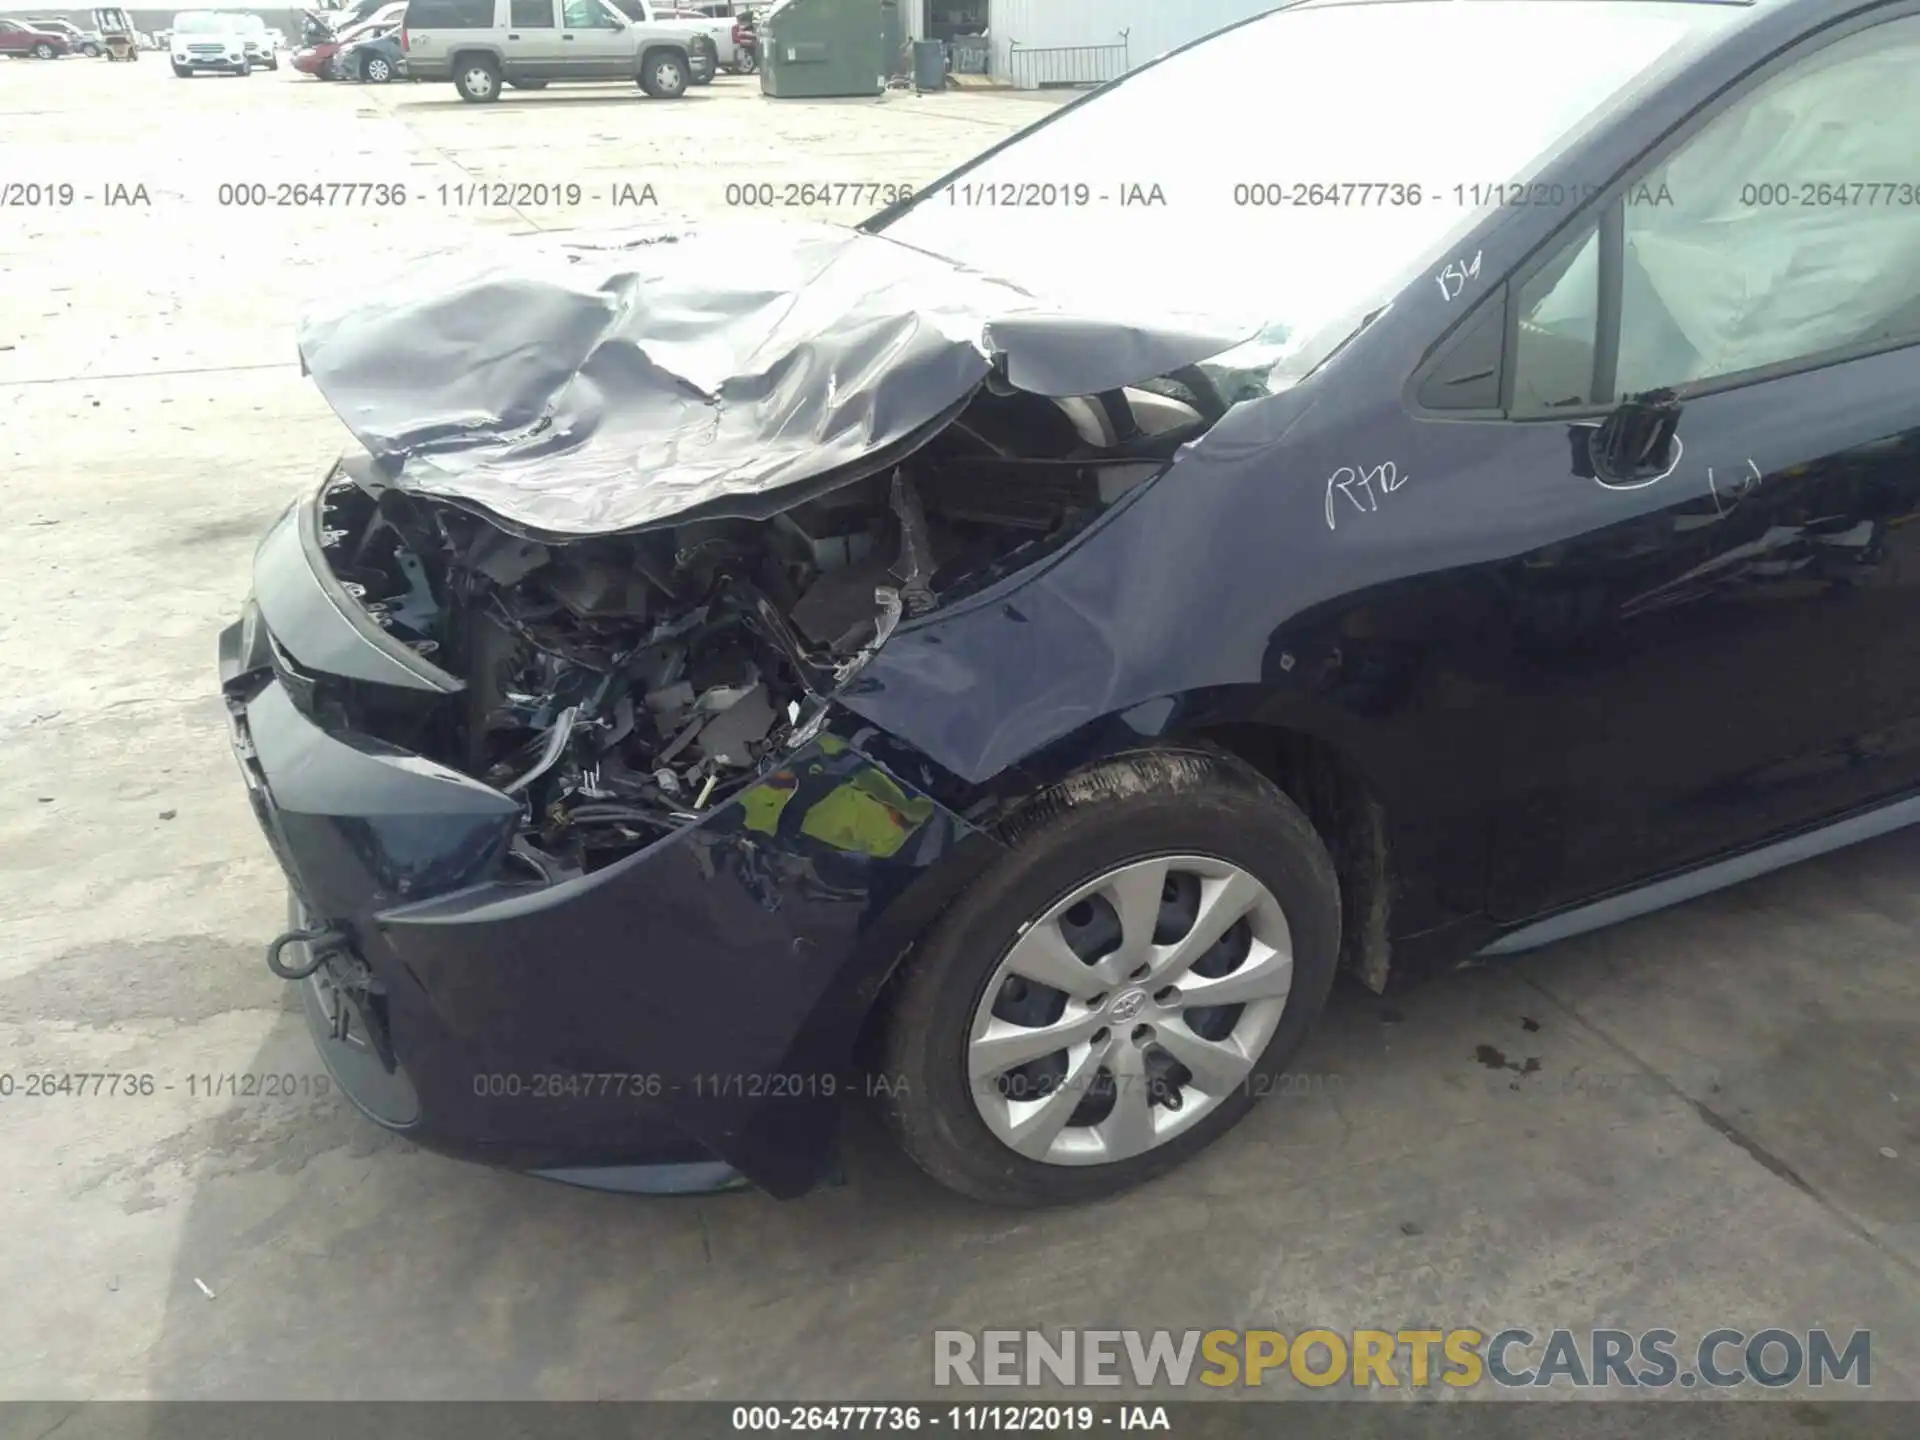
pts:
[1129, 1004]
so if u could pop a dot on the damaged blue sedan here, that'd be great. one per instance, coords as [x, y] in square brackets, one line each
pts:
[1004, 660]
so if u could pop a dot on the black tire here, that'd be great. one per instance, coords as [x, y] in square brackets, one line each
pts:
[748, 62]
[1133, 808]
[91, 51]
[477, 78]
[182, 71]
[663, 75]
[376, 70]
[44, 51]
[528, 84]
[274, 64]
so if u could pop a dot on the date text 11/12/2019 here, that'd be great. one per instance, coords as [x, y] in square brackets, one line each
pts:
[124, 1085]
[959, 1419]
[1053, 194]
[462, 195]
[552, 1086]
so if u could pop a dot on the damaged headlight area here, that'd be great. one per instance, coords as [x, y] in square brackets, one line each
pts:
[620, 686]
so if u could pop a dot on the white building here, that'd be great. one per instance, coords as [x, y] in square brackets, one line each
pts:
[1050, 42]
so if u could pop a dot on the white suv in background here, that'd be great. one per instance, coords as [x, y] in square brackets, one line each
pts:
[263, 48]
[208, 40]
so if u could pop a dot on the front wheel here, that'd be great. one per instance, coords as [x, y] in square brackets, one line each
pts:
[182, 71]
[477, 81]
[376, 70]
[1115, 993]
[43, 51]
[664, 76]
[92, 52]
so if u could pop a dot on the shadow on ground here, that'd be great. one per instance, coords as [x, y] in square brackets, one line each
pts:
[1423, 1134]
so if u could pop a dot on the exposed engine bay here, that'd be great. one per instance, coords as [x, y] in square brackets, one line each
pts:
[621, 685]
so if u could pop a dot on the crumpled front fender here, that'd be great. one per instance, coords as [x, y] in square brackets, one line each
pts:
[729, 966]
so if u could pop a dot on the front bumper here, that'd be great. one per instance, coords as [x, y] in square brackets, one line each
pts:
[685, 1013]
[226, 64]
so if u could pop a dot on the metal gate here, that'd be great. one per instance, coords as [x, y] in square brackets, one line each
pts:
[1065, 66]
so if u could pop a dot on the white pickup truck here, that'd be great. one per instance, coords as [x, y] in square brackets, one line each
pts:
[481, 45]
[682, 19]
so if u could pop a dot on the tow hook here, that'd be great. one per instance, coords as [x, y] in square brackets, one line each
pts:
[318, 942]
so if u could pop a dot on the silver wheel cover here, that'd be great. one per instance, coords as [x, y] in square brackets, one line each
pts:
[1105, 1061]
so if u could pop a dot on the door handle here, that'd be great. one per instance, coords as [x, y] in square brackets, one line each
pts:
[512, 36]
[566, 37]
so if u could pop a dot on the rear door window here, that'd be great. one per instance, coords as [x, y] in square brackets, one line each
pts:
[587, 15]
[450, 15]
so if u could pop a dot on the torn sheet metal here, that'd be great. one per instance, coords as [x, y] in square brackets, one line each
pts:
[609, 383]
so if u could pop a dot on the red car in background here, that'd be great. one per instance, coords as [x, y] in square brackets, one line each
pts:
[19, 40]
[317, 56]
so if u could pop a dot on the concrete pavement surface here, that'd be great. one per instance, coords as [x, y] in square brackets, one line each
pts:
[1705, 1118]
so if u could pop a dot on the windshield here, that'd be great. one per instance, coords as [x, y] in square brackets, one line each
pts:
[201, 23]
[252, 25]
[1351, 140]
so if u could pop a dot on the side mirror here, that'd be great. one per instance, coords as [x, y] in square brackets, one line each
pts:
[1636, 445]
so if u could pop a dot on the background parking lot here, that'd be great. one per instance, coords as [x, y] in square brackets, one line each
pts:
[1705, 1118]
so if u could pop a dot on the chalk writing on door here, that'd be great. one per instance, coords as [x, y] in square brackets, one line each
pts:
[1455, 274]
[1363, 486]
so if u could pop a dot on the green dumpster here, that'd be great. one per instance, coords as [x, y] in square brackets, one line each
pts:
[815, 48]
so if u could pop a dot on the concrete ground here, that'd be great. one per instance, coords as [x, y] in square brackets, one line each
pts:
[1706, 1118]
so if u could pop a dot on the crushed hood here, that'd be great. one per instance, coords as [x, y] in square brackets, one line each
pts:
[594, 385]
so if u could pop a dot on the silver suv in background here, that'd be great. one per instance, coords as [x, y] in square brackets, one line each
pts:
[482, 44]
